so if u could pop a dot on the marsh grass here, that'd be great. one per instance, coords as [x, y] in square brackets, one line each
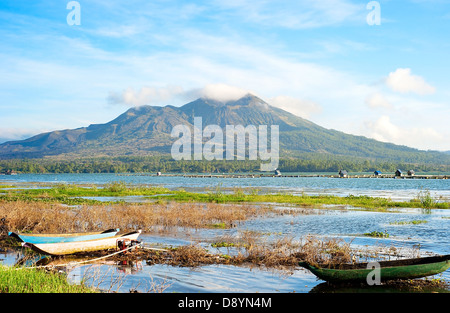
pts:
[317, 201]
[282, 254]
[252, 249]
[38, 217]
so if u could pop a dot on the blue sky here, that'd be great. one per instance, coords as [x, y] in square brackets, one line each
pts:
[318, 59]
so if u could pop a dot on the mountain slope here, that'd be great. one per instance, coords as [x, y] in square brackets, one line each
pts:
[146, 130]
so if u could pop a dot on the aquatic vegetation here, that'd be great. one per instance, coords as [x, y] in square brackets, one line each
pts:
[221, 225]
[377, 234]
[414, 222]
[72, 194]
[427, 201]
[373, 203]
[6, 186]
[223, 244]
[284, 253]
[229, 244]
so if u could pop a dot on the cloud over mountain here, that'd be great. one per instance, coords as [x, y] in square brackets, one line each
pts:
[149, 95]
[403, 81]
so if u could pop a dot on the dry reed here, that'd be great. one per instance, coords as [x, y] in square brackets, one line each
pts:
[39, 217]
[283, 254]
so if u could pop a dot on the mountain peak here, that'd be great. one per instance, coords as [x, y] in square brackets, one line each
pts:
[229, 98]
[246, 100]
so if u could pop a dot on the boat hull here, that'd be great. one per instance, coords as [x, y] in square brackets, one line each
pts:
[65, 248]
[55, 238]
[389, 270]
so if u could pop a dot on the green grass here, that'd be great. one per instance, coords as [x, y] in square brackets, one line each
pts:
[426, 200]
[367, 202]
[221, 225]
[7, 186]
[223, 244]
[414, 222]
[378, 234]
[71, 194]
[21, 280]
[108, 190]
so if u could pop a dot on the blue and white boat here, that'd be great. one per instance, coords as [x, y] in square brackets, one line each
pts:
[59, 238]
[64, 248]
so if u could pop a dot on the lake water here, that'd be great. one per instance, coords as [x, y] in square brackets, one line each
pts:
[347, 223]
[396, 189]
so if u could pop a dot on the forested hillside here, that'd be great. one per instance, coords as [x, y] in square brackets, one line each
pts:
[165, 164]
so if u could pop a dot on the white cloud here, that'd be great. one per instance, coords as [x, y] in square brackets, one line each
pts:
[222, 92]
[145, 96]
[303, 108]
[148, 95]
[118, 31]
[295, 14]
[10, 134]
[377, 100]
[383, 129]
[403, 81]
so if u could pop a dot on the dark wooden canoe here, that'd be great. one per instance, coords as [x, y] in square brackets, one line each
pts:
[389, 270]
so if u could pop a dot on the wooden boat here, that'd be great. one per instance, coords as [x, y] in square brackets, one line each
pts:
[64, 248]
[389, 270]
[54, 238]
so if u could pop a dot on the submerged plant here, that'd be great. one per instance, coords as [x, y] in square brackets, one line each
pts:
[377, 234]
[425, 198]
[414, 222]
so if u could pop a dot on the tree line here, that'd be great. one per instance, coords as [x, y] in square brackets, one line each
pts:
[153, 164]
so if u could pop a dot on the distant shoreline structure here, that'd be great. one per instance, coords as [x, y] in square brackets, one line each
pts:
[246, 175]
